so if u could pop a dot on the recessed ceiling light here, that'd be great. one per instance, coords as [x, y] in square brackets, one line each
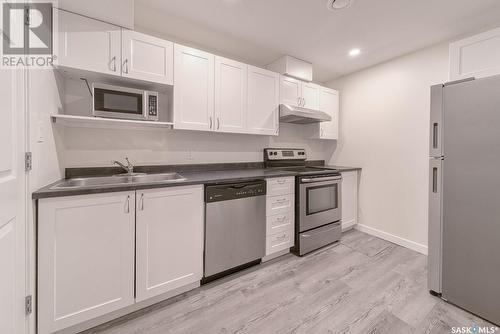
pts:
[338, 4]
[354, 52]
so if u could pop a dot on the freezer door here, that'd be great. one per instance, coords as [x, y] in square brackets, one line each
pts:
[436, 121]
[471, 201]
[435, 224]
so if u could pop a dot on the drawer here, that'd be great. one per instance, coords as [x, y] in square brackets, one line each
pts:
[280, 223]
[279, 241]
[319, 237]
[280, 186]
[279, 204]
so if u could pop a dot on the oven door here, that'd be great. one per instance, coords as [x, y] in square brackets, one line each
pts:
[119, 102]
[320, 201]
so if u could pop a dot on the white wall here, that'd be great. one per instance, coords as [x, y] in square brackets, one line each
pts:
[384, 129]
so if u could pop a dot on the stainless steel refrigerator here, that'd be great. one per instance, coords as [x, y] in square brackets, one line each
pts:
[464, 195]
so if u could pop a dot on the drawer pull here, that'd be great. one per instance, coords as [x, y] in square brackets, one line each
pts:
[282, 181]
[281, 200]
[283, 237]
[282, 219]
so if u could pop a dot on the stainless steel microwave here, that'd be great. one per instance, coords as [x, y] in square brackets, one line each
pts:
[126, 103]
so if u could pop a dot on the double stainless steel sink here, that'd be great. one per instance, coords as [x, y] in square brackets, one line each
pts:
[122, 179]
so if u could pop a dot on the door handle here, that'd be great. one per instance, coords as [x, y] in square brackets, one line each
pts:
[113, 64]
[320, 179]
[434, 180]
[127, 204]
[125, 66]
[435, 132]
[141, 203]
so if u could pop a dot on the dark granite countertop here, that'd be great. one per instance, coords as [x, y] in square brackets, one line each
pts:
[191, 177]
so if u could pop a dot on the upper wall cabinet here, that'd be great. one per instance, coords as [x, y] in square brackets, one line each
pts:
[263, 101]
[92, 45]
[88, 44]
[477, 56]
[230, 95]
[147, 58]
[213, 93]
[328, 103]
[299, 93]
[193, 89]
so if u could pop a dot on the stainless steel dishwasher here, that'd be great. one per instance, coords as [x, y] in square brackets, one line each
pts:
[235, 227]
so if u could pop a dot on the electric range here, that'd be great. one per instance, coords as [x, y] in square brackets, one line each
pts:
[318, 192]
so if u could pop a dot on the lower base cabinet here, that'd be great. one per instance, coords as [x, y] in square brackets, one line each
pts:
[85, 258]
[169, 239]
[103, 252]
[349, 199]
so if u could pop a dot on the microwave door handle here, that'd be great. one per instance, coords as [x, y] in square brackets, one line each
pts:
[321, 179]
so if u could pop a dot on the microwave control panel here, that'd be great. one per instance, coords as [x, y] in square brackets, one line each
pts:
[153, 106]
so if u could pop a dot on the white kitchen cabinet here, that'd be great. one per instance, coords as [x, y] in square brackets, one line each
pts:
[299, 93]
[85, 258]
[193, 89]
[477, 56]
[349, 199]
[87, 44]
[310, 95]
[290, 91]
[263, 101]
[147, 58]
[170, 229]
[230, 95]
[280, 216]
[328, 103]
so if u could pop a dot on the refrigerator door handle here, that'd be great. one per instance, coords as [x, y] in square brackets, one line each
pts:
[434, 180]
[435, 133]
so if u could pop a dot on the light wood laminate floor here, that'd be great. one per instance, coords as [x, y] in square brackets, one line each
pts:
[361, 285]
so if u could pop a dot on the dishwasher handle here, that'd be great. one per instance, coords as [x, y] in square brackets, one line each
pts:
[233, 191]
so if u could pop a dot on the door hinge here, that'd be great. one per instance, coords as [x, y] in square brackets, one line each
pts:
[27, 16]
[28, 161]
[28, 304]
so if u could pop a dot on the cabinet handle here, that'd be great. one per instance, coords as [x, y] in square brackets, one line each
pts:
[281, 200]
[299, 101]
[282, 219]
[281, 181]
[218, 123]
[322, 133]
[125, 66]
[127, 204]
[281, 237]
[303, 101]
[210, 122]
[141, 203]
[113, 64]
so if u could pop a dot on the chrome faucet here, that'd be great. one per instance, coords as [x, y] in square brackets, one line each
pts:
[129, 168]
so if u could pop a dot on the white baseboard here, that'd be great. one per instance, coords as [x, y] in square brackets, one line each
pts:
[348, 226]
[393, 238]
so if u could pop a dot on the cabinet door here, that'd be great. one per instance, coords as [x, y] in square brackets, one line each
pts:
[349, 199]
[193, 89]
[230, 95]
[147, 58]
[263, 101]
[88, 44]
[85, 258]
[290, 91]
[329, 103]
[310, 95]
[169, 239]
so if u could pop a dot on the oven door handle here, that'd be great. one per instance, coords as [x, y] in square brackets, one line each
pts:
[321, 179]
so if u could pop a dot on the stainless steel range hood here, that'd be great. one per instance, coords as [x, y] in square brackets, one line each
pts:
[299, 115]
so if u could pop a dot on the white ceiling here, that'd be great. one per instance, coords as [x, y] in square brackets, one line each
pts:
[259, 31]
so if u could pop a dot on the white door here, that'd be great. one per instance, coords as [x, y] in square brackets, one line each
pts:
[329, 103]
[169, 252]
[230, 95]
[310, 95]
[12, 204]
[290, 91]
[85, 258]
[193, 89]
[263, 101]
[147, 58]
[88, 44]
